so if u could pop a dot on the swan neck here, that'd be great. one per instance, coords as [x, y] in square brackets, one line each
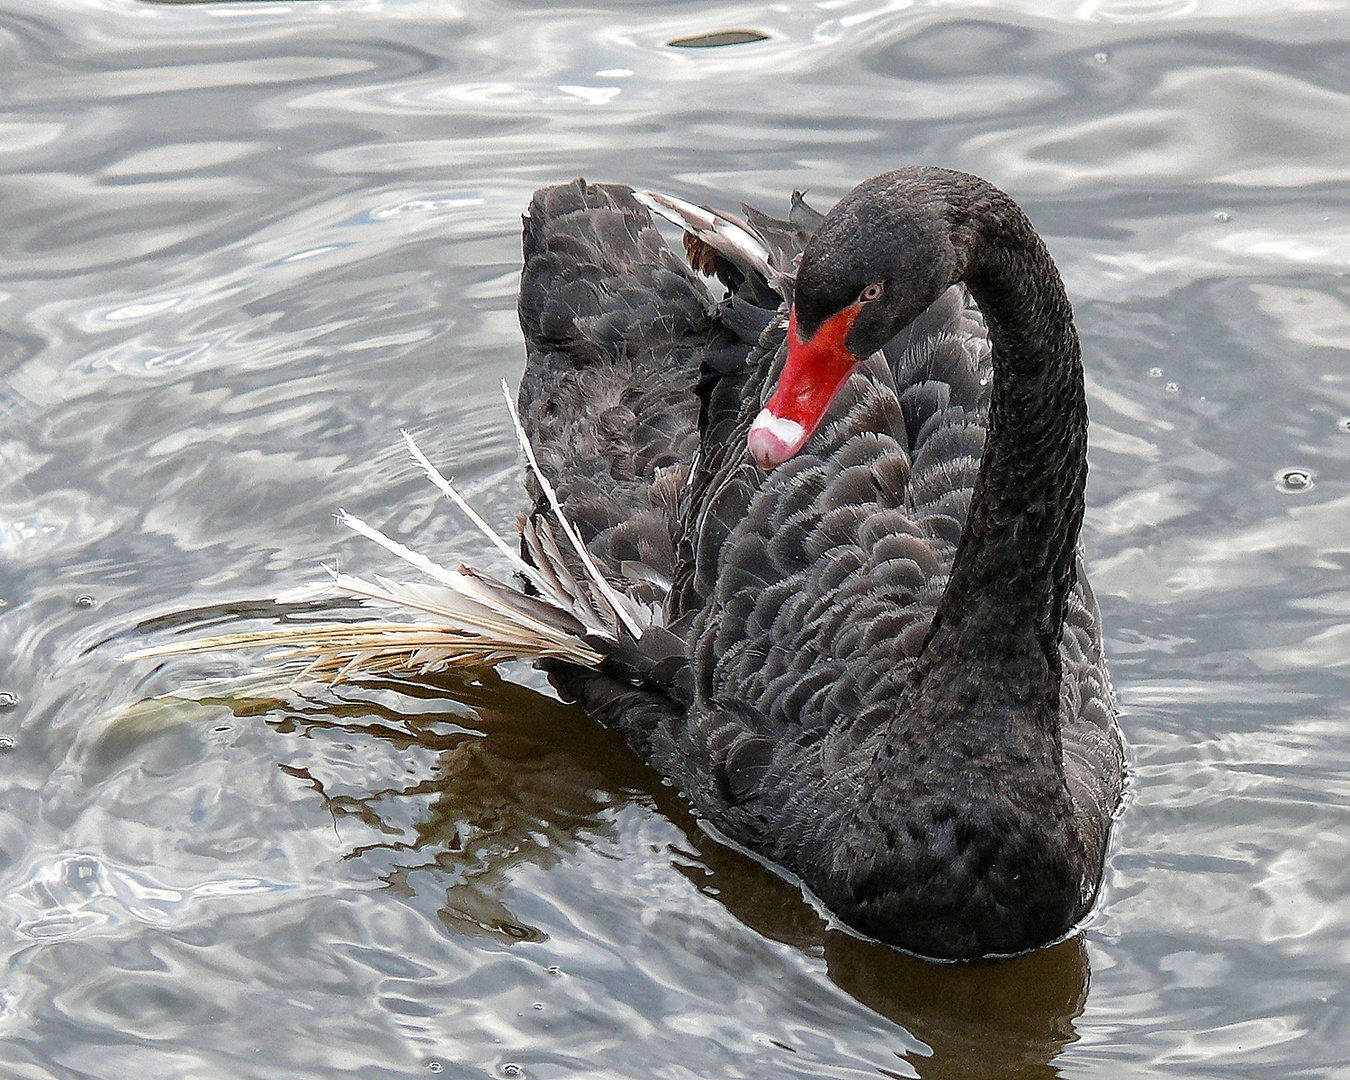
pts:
[1015, 562]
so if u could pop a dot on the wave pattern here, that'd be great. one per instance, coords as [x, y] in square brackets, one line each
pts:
[241, 246]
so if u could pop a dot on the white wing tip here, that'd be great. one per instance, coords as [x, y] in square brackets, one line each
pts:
[481, 621]
[677, 211]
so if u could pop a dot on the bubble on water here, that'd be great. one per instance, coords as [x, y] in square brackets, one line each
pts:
[435, 1066]
[8, 699]
[512, 1069]
[1155, 373]
[1343, 423]
[3, 601]
[537, 1005]
[84, 600]
[1294, 480]
[1101, 57]
[6, 744]
[1171, 388]
[1222, 216]
[554, 969]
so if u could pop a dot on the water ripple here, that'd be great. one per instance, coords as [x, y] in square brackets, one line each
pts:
[245, 244]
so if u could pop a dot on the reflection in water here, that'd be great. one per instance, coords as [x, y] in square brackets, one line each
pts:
[1007, 1019]
[524, 777]
[520, 777]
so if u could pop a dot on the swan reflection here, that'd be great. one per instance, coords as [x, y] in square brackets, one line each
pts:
[520, 778]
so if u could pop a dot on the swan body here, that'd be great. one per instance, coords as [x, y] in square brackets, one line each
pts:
[877, 661]
[811, 546]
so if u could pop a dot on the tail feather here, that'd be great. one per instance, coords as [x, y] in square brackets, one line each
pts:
[465, 633]
[476, 619]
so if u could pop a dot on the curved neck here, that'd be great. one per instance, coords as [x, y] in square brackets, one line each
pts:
[1014, 565]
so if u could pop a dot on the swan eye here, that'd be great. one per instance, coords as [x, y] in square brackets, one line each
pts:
[872, 292]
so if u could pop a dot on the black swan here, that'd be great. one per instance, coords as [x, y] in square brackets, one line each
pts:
[825, 574]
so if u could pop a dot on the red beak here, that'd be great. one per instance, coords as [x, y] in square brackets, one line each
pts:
[814, 372]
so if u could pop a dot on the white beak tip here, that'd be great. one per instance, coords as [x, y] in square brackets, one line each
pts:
[774, 439]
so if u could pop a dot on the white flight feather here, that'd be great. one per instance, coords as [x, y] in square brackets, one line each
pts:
[460, 582]
[628, 612]
[543, 576]
[479, 619]
[734, 240]
[435, 476]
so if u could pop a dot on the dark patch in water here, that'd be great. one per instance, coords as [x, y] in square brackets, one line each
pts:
[717, 39]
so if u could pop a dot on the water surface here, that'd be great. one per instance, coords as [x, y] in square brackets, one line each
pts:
[241, 245]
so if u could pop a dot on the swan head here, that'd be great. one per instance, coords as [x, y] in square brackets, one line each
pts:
[875, 264]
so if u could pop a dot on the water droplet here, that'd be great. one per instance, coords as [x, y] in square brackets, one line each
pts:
[6, 744]
[1222, 216]
[1294, 480]
[511, 1069]
[8, 699]
[434, 1066]
[1171, 388]
[1155, 373]
[1101, 57]
[1343, 423]
[84, 600]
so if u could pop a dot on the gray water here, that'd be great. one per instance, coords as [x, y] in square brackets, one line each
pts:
[242, 245]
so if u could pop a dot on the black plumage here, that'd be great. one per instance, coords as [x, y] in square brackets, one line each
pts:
[879, 664]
